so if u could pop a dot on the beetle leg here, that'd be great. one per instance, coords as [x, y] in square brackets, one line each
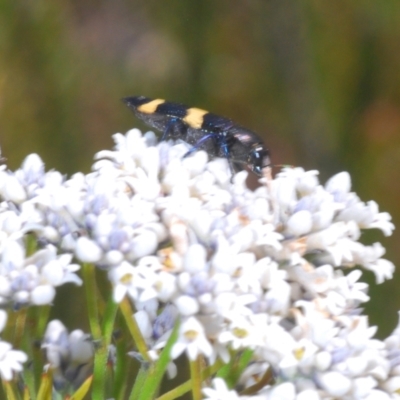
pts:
[198, 144]
[168, 128]
[222, 143]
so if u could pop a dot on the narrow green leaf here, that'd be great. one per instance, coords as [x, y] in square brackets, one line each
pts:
[158, 368]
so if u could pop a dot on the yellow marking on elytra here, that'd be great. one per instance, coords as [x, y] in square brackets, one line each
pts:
[151, 106]
[194, 117]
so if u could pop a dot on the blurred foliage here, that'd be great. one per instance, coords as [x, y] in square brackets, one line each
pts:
[318, 80]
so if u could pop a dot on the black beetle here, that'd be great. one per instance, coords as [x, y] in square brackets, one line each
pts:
[218, 136]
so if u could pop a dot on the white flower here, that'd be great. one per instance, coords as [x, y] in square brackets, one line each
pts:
[220, 391]
[12, 189]
[299, 223]
[307, 182]
[144, 322]
[33, 280]
[283, 391]
[186, 305]
[244, 332]
[195, 259]
[55, 343]
[278, 344]
[370, 258]
[42, 294]
[335, 383]
[81, 347]
[3, 319]
[339, 184]
[266, 270]
[87, 250]
[308, 394]
[12, 256]
[367, 216]
[10, 360]
[70, 356]
[60, 270]
[124, 279]
[192, 340]
[278, 297]
[363, 386]
[378, 395]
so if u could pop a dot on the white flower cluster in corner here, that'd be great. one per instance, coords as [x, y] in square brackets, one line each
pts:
[29, 205]
[69, 355]
[10, 360]
[261, 270]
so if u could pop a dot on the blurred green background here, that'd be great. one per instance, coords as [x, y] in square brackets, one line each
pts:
[319, 81]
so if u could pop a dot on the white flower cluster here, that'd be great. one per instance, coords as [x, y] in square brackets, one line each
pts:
[29, 205]
[69, 355]
[10, 360]
[241, 269]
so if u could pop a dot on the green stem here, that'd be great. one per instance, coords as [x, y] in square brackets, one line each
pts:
[9, 390]
[109, 320]
[100, 370]
[137, 336]
[89, 277]
[157, 369]
[41, 318]
[232, 372]
[20, 326]
[100, 358]
[195, 372]
[139, 381]
[120, 381]
[185, 387]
